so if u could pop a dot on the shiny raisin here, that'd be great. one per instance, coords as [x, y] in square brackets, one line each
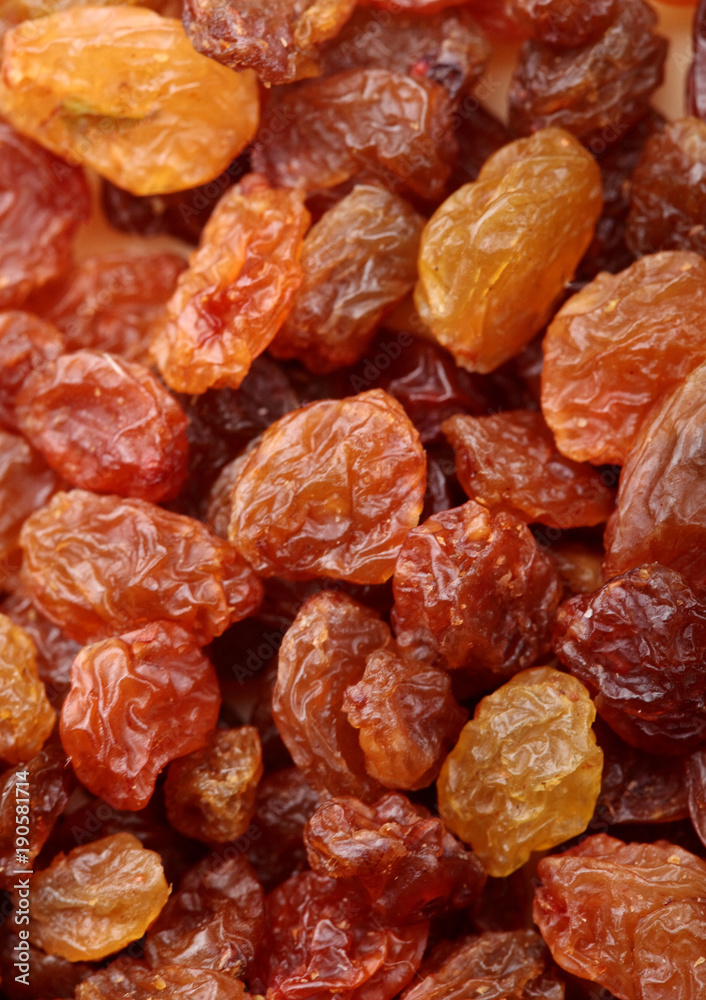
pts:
[26, 717]
[27, 343]
[26, 484]
[566, 25]
[132, 981]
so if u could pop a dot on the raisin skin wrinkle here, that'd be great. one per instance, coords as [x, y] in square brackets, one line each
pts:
[26, 484]
[106, 425]
[638, 645]
[526, 771]
[96, 899]
[132, 981]
[496, 255]
[125, 563]
[122, 90]
[26, 344]
[331, 490]
[135, 703]
[26, 717]
[564, 25]
[696, 79]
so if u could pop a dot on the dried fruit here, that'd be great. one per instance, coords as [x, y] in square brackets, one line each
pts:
[331, 490]
[238, 288]
[122, 90]
[26, 484]
[27, 343]
[610, 353]
[96, 899]
[210, 794]
[105, 424]
[695, 774]
[129, 980]
[638, 645]
[696, 78]
[135, 703]
[510, 461]
[26, 717]
[496, 255]
[284, 803]
[526, 771]
[564, 25]
[145, 563]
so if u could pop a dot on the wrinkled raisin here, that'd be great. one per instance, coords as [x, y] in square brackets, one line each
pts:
[26, 484]
[566, 25]
[26, 717]
[27, 343]
[132, 981]
[284, 803]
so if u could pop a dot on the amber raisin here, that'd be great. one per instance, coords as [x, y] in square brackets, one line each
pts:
[26, 717]
[27, 343]
[132, 981]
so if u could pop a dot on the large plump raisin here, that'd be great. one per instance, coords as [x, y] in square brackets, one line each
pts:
[106, 425]
[331, 490]
[96, 899]
[526, 771]
[237, 290]
[610, 353]
[496, 255]
[122, 89]
[125, 563]
[26, 717]
[27, 343]
[135, 703]
[638, 645]
[26, 484]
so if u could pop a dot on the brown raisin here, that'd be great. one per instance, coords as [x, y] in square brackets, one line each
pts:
[26, 484]
[566, 25]
[696, 78]
[132, 981]
[27, 343]
[26, 717]
[284, 803]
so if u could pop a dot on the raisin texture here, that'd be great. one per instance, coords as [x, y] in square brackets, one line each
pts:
[96, 899]
[26, 717]
[638, 645]
[132, 981]
[579, 564]
[526, 771]
[695, 774]
[473, 589]
[27, 343]
[141, 564]
[136, 702]
[281, 43]
[496, 255]
[26, 484]
[237, 290]
[626, 916]
[610, 353]
[331, 490]
[44, 201]
[370, 123]
[358, 261]
[696, 78]
[564, 25]
[661, 512]
[106, 424]
[668, 191]
[596, 91]
[510, 461]
[409, 865]
[284, 803]
[122, 90]
[210, 794]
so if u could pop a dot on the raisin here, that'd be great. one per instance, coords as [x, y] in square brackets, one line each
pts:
[695, 774]
[696, 78]
[610, 353]
[210, 794]
[324, 941]
[96, 899]
[474, 590]
[136, 702]
[105, 424]
[415, 6]
[26, 484]
[285, 801]
[637, 644]
[214, 921]
[596, 91]
[668, 191]
[409, 865]
[26, 717]
[526, 771]
[44, 786]
[238, 288]
[219, 504]
[49, 975]
[370, 123]
[110, 302]
[496, 255]
[661, 512]
[578, 564]
[407, 719]
[331, 490]
[132, 981]
[605, 905]
[145, 564]
[281, 43]
[358, 260]
[567, 25]
[323, 653]
[27, 343]
[44, 201]
[510, 461]
[73, 82]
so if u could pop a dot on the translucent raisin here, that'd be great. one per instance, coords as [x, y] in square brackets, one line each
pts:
[564, 25]
[72, 81]
[237, 290]
[285, 801]
[610, 353]
[331, 490]
[26, 484]
[132, 981]
[146, 564]
[136, 702]
[510, 461]
[637, 644]
[526, 771]
[27, 343]
[210, 794]
[26, 717]
[496, 255]
[96, 899]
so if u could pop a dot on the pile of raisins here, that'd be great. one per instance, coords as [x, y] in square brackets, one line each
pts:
[352, 502]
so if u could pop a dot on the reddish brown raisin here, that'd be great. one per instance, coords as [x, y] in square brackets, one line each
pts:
[26, 484]
[49, 975]
[284, 803]
[132, 981]
[27, 343]
[695, 773]
[696, 79]
[26, 717]
[566, 25]
[579, 564]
